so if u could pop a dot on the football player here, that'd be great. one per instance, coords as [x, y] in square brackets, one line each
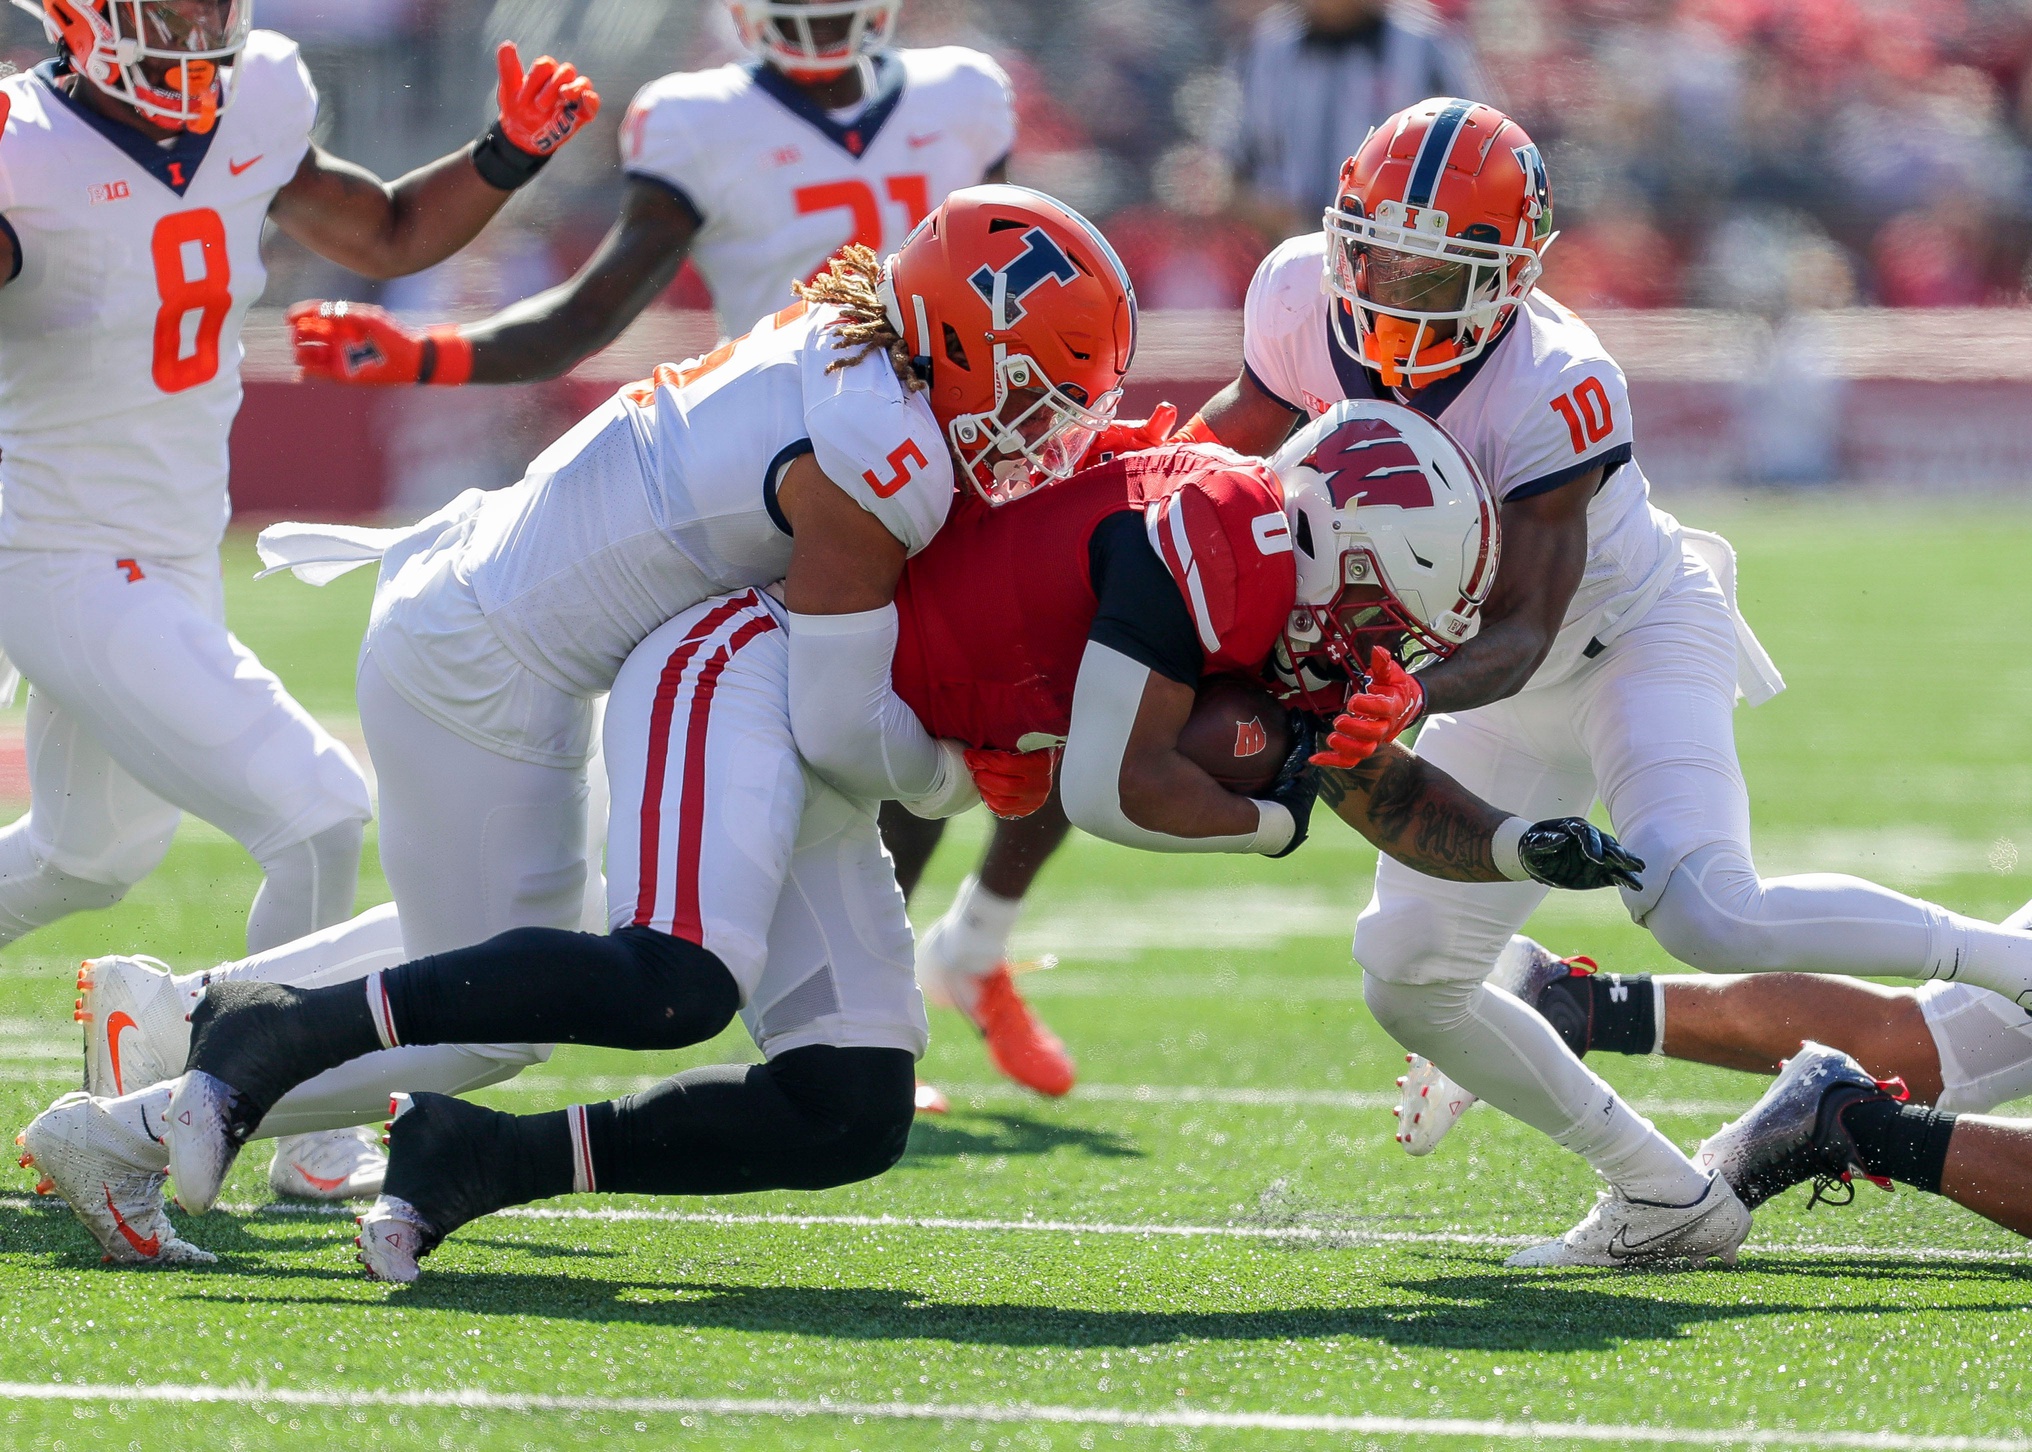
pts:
[759, 173]
[1608, 663]
[129, 256]
[744, 878]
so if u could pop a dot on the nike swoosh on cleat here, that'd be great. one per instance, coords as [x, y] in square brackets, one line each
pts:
[236, 167]
[150, 1247]
[1622, 1248]
[319, 1180]
[116, 1022]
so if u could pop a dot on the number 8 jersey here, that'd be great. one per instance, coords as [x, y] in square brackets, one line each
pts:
[120, 333]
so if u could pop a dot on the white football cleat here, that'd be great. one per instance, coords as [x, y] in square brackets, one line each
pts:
[392, 1239]
[201, 1146]
[110, 1171]
[1622, 1232]
[1428, 1105]
[136, 1021]
[329, 1164]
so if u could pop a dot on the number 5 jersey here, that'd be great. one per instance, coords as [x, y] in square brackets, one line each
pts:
[120, 332]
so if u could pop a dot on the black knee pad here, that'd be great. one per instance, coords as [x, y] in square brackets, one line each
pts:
[858, 1102]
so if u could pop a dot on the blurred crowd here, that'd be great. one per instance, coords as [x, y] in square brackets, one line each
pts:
[1766, 155]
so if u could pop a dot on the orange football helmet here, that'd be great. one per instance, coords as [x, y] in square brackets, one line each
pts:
[814, 40]
[1442, 219]
[1022, 317]
[111, 43]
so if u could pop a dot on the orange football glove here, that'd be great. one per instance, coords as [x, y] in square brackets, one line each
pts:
[542, 107]
[358, 343]
[1127, 435]
[1381, 713]
[1012, 783]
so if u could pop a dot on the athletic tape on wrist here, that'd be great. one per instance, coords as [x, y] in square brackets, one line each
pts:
[1275, 827]
[1503, 848]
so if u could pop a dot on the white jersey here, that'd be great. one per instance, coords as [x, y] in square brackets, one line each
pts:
[120, 337]
[663, 497]
[779, 185]
[1543, 405]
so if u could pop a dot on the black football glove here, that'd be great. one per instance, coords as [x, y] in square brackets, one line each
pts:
[1573, 853]
[1297, 783]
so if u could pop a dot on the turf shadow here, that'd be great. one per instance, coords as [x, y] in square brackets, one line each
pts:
[1010, 1134]
[1482, 1312]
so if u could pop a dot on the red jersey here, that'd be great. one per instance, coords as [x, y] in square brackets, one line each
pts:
[996, 611]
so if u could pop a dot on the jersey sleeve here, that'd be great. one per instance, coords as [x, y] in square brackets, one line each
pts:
[659, 145]
[1579, 420]
[879, 443]
[279, 83]
[1142, 614]
[1271, 321]
[990, 115]
[1225, 541]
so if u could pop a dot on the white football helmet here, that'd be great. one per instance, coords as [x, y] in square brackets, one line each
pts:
[1396, 539]
[815, 39]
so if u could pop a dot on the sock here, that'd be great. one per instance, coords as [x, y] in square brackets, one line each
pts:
[973, 936]
[264, 1039]
[456, 1161]
[1902, 1142]
[1615, 1012]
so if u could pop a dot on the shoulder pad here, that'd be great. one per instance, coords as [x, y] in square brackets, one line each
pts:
[1221, 531]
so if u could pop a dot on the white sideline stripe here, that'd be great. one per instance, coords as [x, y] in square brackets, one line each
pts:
[1332, 1235]
[1357, 1099]
[1181, 1417]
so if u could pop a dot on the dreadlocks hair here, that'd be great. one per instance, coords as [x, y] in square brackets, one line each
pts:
[848, 283]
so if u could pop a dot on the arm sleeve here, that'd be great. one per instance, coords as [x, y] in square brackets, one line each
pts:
[1104, 706]
[854, 730]
[1141, 614]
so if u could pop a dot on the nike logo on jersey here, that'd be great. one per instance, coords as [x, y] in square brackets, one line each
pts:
[236, 167]
[917, 142]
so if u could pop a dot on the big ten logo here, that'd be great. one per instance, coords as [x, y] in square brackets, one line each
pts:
[113, 191]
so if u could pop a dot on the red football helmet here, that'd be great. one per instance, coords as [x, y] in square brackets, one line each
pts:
[1023, 318]
[111, 43]
[1396, 541]
[815, 40]
[1442, 219]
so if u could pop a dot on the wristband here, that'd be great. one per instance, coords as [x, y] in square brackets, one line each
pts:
[1196, 430]
[447, 358]
[1503, 848]
[501, 163]
[1275, 827]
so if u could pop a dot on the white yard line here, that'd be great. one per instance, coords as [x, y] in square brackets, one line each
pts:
[1326, 1233]
[473, 1399]
[1356, 1099]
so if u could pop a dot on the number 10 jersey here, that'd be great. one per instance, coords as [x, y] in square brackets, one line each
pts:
[120, 335]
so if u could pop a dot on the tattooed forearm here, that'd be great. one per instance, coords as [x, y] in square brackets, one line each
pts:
[1416, 813]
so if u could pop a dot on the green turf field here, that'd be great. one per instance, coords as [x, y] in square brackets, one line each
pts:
[1213, 1242]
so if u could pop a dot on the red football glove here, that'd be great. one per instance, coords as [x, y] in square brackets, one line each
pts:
[1012, 783]
[542, 107]
[350, 342]
[1127, 435]
[1382, 713]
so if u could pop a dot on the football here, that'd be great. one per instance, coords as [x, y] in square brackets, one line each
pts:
[1236, 734]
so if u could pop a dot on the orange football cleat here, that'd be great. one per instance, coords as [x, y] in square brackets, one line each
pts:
[1018, 1042]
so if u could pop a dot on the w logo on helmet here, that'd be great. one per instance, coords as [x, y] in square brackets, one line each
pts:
[1367, 460]
[1040, 261]
[1537, 189]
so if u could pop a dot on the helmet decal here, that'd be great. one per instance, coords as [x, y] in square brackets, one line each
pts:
[1539, 187]
[1433, 152]
[1040, 261]
[1366, 460]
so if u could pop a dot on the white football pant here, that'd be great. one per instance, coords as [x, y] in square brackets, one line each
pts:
[1647, 728]
[142, 706]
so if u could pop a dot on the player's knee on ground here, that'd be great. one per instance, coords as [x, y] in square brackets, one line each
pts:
[857, 1106]
[1419, 1015]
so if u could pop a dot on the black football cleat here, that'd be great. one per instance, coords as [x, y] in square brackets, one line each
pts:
[1795, 1134]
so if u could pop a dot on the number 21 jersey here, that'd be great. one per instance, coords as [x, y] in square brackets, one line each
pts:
[120, 335]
